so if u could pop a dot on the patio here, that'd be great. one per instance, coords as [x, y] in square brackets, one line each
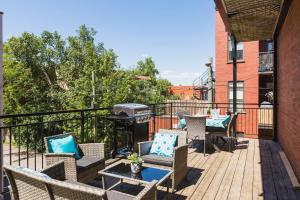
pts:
[253, 171]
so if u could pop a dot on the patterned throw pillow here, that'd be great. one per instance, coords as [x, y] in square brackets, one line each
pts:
[163, 144]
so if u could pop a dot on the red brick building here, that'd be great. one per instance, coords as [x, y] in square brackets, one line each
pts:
[282, 24]
[254, 75]
[184, 92]
[187, 92]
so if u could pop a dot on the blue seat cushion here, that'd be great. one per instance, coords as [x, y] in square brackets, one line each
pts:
[63, 145]
[163, 144]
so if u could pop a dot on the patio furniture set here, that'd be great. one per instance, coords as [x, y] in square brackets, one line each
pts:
[67, 174]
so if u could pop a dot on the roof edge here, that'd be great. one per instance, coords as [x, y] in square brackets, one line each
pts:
[222, 10]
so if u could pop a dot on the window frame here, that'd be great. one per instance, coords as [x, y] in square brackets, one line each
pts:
[228, 52]
[240, 106]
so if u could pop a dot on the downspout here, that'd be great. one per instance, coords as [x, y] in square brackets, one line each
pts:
[1, 102]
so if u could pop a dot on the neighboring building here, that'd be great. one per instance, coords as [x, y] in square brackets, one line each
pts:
[254, 80]
[187, 92]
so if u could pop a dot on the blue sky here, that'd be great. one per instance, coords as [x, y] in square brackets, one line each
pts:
[177, 34]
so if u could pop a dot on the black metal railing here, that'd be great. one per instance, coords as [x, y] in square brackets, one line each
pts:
[24, 133]
[266, 60]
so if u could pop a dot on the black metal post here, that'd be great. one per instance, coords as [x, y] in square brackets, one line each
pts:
[171, 114]
[234, 77]
[82, 126]
[154, 119]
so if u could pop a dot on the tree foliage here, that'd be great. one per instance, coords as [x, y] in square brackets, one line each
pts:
[46, 72]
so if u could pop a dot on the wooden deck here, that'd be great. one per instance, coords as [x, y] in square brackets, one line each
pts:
[253, 171]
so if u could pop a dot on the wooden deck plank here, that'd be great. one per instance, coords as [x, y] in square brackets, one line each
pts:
[203, 184]
[247, 186]
[194, 171]
[204, 165]
[257, 191]
[280, 189]
[224, 188]
[267, 177]
[237, 181]
[280, 173]
[211, 191]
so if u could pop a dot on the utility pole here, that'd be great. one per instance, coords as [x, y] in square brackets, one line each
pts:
[1, 102]
[210, 84]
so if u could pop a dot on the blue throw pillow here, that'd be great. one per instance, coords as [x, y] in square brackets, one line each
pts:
[32, 172]
[63, 145]
[163, 144]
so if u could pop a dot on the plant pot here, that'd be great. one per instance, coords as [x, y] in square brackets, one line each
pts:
[136, 168]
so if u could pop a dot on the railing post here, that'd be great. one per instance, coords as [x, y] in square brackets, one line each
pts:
[82, 126]
[154, 120]
[171, 114]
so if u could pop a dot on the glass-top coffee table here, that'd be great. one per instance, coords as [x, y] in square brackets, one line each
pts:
[122, 171]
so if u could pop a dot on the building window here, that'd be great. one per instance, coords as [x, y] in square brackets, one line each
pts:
[239, 95]
[239, 50]
[270, 46]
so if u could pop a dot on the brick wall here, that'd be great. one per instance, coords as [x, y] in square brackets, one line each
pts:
[289, 86]
[184, 92]
[247, 71]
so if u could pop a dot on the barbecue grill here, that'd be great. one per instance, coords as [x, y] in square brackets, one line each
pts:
[131, 120]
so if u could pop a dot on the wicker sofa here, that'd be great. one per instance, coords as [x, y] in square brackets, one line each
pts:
[25, 186]
[83, 169]
[178, 163]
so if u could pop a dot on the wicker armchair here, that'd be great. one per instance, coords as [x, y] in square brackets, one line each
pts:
[83, 169]
[178, 163]
[196, 128]
[25, 186]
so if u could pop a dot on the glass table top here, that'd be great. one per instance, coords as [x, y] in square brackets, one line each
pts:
[147, 174]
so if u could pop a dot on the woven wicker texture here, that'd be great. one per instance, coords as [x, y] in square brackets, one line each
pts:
[96, 150]
[196, 127]
[25, 186]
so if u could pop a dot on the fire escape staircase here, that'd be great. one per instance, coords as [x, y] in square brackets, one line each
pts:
[200, 86]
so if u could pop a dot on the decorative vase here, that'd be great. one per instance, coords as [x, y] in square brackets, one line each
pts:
[135, 168]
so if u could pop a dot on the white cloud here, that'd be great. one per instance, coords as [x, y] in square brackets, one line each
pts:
[145, 55]
[180, 78]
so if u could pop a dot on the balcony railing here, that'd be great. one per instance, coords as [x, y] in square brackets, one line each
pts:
[24, 133]
[266, 61]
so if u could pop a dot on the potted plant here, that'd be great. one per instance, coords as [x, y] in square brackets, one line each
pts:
[135, 163]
